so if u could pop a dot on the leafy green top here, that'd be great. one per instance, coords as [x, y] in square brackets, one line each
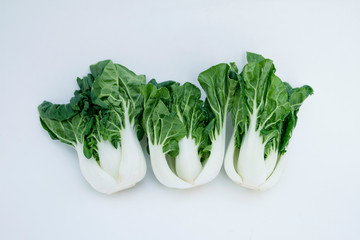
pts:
[109, 100]
[219, 86]
[70, 123]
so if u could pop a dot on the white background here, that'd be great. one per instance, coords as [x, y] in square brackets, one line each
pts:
[45, 45]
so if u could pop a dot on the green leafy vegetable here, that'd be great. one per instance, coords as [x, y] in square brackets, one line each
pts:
[102, 123]
[181, 134]
[264, 114]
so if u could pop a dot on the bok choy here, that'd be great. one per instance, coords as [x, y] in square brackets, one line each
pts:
[101, 123]
[264, 115]
[186, 135]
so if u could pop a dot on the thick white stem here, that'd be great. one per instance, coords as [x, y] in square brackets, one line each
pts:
[270, 162]
[251, 163]
[275, 176]
[188, 165]
[100, 180]
[189, 171]
[109, 158]
[132, 168]
[232, 154]
[273, 169]
[120, 168]
[213, 164]
[162, 170]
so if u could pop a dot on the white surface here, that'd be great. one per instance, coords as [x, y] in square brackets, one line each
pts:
[44, 45]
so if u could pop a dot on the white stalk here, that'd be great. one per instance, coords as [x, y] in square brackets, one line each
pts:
[213, 165]
[232, 153]
[251, 164]
[162, 170]
[132, 168]
[99, 179]
[273, 168]
[270, 162]
[109, 158]
[189, 171]
[188, 165]
[276, 174]
[119, 168]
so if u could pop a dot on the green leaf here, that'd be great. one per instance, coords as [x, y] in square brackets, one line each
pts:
[57, 112]
[256, 78]
[275, 110]
[296, 97]
[254, 58]
[219, 88]
[162, 127]
[166, 84]
[63, 124]
[85, 83]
